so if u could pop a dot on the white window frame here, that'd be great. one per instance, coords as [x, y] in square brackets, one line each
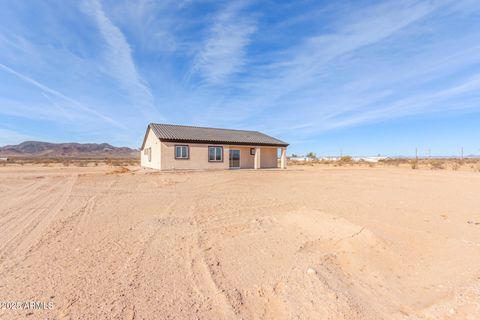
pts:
[183, 156]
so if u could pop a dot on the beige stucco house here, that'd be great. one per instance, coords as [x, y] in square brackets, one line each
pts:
[175, 147]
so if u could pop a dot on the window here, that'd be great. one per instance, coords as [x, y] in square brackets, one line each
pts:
[252, 151]
[148, 152]
[215, 154]
[181, 152]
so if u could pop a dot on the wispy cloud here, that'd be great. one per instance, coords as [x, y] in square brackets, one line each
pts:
[119, 60]
[224, 51]
[423, 103]
[150, 24]
[306, 63]
[305, 76]
[58, 107]
[56, 93]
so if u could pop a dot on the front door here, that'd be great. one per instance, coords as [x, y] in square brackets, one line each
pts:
[234, 158]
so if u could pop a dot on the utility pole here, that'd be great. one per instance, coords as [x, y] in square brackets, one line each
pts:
[416, 154]
[462, 154]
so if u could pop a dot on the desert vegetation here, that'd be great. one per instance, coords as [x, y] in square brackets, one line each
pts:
[454, 164]
[71, 162]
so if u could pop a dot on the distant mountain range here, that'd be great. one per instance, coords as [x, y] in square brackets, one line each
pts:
[67, 150]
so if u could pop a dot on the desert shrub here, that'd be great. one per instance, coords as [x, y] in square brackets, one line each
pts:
[437, 165]
[81, 164]
[344, 160]
[456, 165]
[119, 170]
[394, 162]
[295, 162]
[96, 163]
[122, 170]
[66, 163]
[312, 155]
[414, 164]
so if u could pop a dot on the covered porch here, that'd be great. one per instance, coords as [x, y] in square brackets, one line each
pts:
[257, 157]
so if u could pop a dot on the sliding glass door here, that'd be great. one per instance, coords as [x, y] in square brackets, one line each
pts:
[234, 158]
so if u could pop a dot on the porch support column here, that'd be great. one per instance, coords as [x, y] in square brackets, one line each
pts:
[283, 158]
[257, 159]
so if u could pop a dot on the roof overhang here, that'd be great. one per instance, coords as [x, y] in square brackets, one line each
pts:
[145, 137]
[237, 143]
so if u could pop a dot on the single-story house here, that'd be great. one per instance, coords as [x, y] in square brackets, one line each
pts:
[176, 147]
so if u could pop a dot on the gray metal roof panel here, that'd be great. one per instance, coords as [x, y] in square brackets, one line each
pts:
[170, 132]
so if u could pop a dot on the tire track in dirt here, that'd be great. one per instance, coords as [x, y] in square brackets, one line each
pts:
[83, 216]
[77, 219]
[17, 192]
[26, 210]
[27, 234]
[24, 206]
[230, 218]
[204, 282]
[22, 198]
[131, 270]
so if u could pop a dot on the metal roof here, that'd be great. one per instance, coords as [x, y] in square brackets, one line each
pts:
[192, 134]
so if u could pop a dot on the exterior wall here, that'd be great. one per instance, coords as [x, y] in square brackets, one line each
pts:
[268, 158]
[151, 142]
[163, 156]
[198, 157]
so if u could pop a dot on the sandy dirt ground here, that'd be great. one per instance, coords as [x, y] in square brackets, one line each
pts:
[303, 243]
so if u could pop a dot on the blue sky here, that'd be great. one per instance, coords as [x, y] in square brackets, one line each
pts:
[363, 77]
